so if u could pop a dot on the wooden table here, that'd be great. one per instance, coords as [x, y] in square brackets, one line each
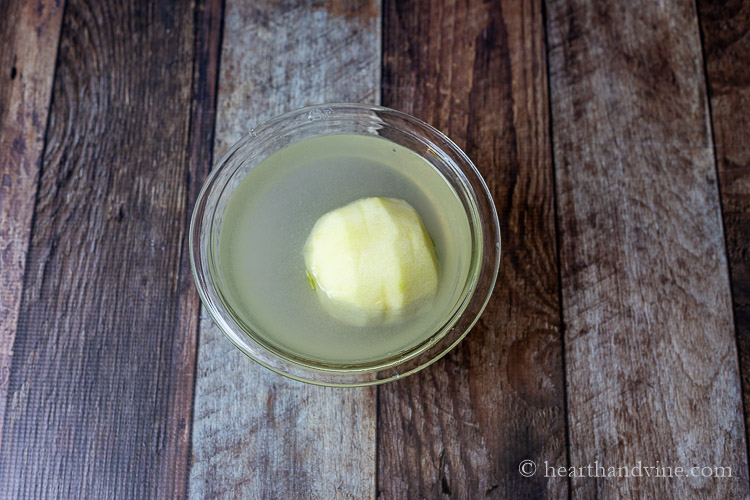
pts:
[614, 136]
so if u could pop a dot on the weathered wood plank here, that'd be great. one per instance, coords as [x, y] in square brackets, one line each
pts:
[726, 36]
[101, 382]
[461, 427]
[650, 350]
[209, 16]
[28, 47]
[255, 433]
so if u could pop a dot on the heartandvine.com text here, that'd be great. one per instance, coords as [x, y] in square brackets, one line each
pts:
[638, 470]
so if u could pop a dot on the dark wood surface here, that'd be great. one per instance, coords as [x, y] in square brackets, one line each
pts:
[650, 344]
[614, 139]
[102, 371]
[30, 35]
[726, 48]
[461, 427]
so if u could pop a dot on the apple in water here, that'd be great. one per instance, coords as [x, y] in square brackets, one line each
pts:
[372, 262]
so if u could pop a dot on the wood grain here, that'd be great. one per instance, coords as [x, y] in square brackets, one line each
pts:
[460, 428]
[255, 433]
[650, 350]
[209, 16]
[30, 34]
[101, 383]
[726, 36]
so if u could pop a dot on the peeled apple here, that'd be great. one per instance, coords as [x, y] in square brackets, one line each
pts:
[372, 262]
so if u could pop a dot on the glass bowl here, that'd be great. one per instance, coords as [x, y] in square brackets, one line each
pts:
[275, 134]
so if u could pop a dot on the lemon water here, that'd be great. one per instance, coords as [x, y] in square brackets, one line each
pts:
[270, 215]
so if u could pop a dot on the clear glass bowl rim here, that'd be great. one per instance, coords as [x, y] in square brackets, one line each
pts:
[452, 332]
